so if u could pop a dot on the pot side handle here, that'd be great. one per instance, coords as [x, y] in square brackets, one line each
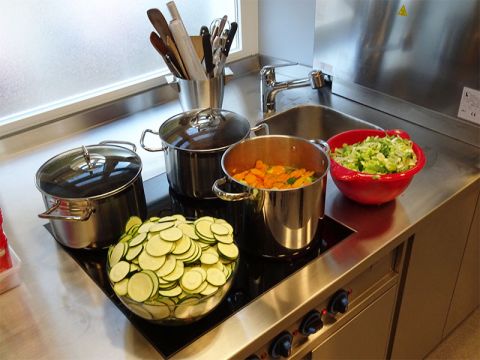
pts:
[119, 143]
[142, 141]
[87, 212]
[322, 145]
[261, 126]
[224, 195]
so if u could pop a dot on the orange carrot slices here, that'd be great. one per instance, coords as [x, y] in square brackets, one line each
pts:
[264, 176]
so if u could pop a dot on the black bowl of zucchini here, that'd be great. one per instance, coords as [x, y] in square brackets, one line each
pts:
[171, 270]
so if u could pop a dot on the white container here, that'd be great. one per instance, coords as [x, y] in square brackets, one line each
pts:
[11, 278]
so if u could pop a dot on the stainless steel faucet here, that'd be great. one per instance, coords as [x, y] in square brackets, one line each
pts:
[269, 87]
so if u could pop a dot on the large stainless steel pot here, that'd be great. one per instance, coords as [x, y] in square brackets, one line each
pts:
[90, 192]
[277, 223]
[193, 143]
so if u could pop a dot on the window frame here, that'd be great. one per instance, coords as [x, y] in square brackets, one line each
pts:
[48, 113]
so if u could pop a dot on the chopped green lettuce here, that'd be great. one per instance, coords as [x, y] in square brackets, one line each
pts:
[377, 155]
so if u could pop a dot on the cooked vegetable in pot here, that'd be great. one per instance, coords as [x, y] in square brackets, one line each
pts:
[264, 176]
[377, 155]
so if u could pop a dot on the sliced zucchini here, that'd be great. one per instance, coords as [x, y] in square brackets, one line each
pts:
[140, 286]
[226, 239]
[125, 237]
[189, 253]
[199, 289]
[171, 234]
[117, 253]
[145, 227]
[167, 219]
[208, 258]
[177, 290]
[171, 263]
[230, 251]
[155, 281]
[201, 270]
[182, 245]
[138, 239]
[133, 230]
[195, 256]
[167, 267]
[132, 221]
[179, 217]
[219, 229]
[216, 276]
[120, 287]
[209, 290]
[203, 229]
[156, 246]
[134, 267]
[191, 280]
[133, 252]
[148, 262]
[119, 271]
[188, 229]
[161, 226]
[176, 273]
[204, 218]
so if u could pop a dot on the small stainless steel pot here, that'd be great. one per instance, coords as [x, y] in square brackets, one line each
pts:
[277, 223]
[90, 192]
[193, 143]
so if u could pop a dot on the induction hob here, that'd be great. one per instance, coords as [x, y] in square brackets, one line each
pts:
[254, 277]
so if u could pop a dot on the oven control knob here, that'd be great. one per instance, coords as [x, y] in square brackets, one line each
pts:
[312, 322]
[281, 346]
[338, 302]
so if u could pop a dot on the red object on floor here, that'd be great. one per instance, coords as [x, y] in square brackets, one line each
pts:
[5, 258]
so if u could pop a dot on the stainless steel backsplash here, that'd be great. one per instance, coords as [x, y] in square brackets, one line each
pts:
[420, 51]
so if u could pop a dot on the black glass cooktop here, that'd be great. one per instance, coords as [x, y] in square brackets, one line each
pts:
[255, 275]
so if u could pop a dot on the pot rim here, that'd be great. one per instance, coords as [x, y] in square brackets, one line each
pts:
[94, 197]
[327, 158]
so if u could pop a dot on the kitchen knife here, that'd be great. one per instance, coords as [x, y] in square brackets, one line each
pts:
[226, 48]
[163, 50]
[230, 36]
[207, 50]
[160, 24]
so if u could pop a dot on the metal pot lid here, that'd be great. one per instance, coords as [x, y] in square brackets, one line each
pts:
[89, 171]
[206, 129]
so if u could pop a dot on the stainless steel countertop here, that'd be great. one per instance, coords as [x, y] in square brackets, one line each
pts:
[58, 312]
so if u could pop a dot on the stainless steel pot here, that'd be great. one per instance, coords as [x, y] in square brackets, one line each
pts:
[193, 143]
[90, 192]
[277, 223]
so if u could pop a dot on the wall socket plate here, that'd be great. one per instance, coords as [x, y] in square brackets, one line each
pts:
[469, 108]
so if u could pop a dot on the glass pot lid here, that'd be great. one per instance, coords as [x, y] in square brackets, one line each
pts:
[89, 171]
[205, 129]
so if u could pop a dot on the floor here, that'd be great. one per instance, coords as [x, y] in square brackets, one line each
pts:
[463, 342]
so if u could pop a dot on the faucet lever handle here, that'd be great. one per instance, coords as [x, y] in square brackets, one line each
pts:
[270, 69]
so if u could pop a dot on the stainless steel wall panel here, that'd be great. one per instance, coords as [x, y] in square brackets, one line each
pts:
[426, 57]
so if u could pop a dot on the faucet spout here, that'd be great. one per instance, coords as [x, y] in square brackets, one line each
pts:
[269, 87]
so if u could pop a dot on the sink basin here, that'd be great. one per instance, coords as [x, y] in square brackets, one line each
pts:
[313, 122]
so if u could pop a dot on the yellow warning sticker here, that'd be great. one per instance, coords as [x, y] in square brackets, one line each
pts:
[403, 11]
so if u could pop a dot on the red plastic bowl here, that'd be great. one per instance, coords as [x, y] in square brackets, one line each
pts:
[367, 188]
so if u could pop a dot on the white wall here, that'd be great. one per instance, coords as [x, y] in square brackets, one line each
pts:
[286, 29]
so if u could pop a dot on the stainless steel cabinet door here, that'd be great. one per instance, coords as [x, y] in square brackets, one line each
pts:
[365, 336]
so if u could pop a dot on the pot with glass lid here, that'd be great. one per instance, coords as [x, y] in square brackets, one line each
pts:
[90, 192]
[193, 143]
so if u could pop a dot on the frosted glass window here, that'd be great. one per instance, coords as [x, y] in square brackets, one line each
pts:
[54, 50]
